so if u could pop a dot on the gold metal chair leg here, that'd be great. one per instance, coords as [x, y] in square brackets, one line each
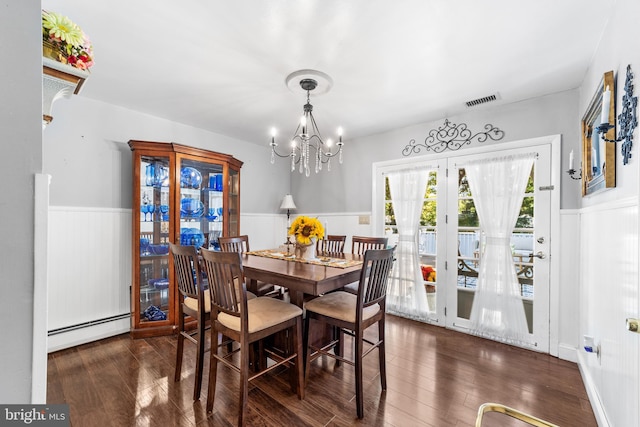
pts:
[519, 415]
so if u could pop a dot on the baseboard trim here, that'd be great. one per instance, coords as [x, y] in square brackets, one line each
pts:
[566, 352]
[88, 333]
[592, 392]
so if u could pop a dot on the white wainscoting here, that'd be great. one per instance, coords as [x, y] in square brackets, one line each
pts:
[89, 274]
[609, 295]
[270, 231]
[90, 266]
[564, 304]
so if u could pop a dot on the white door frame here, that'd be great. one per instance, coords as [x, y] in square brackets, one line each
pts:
[554, 141]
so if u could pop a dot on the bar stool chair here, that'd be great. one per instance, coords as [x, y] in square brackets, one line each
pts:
[353, 314]
[247, 321]
[194, 301]
[240, 244]
[359, 245]
[331, 244]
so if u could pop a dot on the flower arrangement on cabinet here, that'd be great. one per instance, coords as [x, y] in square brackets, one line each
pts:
[65, 41]
[305, 228]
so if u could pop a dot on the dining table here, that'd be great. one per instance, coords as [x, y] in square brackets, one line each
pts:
[303, 278]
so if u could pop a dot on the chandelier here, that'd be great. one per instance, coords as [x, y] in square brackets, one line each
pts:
[307, 141]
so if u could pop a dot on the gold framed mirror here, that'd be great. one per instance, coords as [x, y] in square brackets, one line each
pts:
[598, 155]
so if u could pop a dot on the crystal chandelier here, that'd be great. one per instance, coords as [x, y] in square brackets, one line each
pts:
[307, 141]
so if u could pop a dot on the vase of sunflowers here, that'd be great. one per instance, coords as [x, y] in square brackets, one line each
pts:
[307, 231]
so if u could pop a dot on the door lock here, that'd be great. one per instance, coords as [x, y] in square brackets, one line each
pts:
[540, 240]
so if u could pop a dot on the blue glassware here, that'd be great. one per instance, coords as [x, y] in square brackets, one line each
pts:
[190, 177]
[211, 214]
[144, 246]
[144, 209]
[149, 174]
[191, 236]
[164, 211]
[161, 177]
[219, 182]
[191, 208]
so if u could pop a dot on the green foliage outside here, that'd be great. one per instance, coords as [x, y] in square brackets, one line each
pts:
[467, 215]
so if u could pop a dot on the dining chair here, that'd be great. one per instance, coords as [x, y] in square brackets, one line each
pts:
[194, 301]
[331, 244]
[353, 314]
[247, 321]
[359, 245]
[240, 244]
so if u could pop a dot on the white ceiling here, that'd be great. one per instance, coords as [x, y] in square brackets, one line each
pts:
[221, 65]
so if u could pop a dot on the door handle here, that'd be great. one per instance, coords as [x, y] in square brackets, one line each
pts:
[538, 254]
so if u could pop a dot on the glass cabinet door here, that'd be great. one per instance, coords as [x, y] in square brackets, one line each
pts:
[201, 203]
[234, 203]
[153, 254]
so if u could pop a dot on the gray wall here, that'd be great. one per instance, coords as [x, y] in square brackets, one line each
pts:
[547, 115]
[86, 153]
[21, 139]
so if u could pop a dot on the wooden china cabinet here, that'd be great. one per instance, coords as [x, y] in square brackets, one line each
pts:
[182, 195]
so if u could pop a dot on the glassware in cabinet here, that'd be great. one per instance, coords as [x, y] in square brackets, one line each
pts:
[152, 296]
[182, 195]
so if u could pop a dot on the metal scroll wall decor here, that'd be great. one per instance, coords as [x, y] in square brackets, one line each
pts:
[628, 119]
[452, 137]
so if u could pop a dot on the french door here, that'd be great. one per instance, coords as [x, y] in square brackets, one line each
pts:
[450, 240]
[529, 240]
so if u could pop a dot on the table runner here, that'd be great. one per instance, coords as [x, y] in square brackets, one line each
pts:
[321, 260]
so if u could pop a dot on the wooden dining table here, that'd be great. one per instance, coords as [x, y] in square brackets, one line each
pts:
[303, 280]
[300, 278]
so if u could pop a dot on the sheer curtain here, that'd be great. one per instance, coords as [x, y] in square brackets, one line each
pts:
[406, 295]
[498, 186]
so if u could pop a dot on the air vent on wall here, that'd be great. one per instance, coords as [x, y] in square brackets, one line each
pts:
[483, 100]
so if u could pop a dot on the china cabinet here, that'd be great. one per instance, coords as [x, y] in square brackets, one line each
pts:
[182, 195]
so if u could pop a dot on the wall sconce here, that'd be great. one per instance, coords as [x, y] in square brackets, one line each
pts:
[571, 170]
[627, 119]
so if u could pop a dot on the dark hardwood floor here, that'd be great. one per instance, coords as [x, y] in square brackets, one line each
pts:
[435, 377]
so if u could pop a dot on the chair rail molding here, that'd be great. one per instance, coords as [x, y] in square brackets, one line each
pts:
[58, 81]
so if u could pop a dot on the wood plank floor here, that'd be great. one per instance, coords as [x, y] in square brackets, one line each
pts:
[435, 377]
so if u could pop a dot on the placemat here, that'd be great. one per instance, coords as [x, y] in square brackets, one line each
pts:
[321, 260]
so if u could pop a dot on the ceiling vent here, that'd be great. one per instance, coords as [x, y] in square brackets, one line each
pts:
[483, 100]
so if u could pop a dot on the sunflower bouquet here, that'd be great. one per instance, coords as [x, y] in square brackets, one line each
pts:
[305, 228]
[66, 42]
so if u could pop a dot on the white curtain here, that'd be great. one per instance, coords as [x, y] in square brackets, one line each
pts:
[406, 295]
[497, 186]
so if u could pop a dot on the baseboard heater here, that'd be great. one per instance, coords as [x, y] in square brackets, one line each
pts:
[88, 324]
